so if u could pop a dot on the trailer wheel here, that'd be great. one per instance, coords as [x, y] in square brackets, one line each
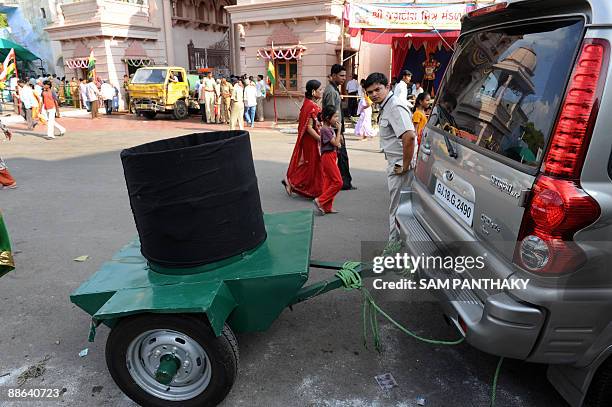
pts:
[180, 111]
[600, 390]
[172, 360]
[149, 115]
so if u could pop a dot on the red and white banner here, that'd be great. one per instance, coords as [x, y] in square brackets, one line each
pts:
[407, 16]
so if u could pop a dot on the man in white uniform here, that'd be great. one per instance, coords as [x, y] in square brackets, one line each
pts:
[209, 86]
[397, 140]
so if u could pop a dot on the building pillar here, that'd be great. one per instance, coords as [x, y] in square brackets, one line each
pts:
[236, 48]
[167, 10]
[232, 47]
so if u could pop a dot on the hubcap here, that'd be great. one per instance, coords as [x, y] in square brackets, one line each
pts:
[168, 348]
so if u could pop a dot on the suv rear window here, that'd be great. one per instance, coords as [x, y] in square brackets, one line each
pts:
[503, 87]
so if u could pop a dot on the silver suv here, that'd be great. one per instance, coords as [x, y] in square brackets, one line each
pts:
[516, 160]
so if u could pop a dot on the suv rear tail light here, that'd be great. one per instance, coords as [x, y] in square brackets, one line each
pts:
[575, 123]
[558, 207]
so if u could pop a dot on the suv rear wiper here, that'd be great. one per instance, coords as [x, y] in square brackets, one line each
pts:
[451, 150]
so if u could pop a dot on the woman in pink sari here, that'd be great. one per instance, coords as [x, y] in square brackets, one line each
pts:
[304, 172]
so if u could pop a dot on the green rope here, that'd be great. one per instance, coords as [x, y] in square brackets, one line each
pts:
[92, 329]
[495, 377]
[351, 280]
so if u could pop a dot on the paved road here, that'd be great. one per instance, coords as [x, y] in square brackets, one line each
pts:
[72, 201]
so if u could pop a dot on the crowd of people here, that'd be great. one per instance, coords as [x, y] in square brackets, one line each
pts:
[233, 101]
[319, 166]
[38, 100]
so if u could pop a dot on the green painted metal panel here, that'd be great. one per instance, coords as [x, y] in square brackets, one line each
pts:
[212, 298]
[251, 292]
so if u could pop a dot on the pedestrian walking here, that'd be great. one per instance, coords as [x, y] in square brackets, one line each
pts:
[202, 100]
[74, 92]
[126, 93]
[262, 91]
[226, 100]
[116, 99]
[304, 171]
[108, 93]
[218, 101]
[51, 111]
[93, 97]
[62, 92]
[397, 140]
[237, 109]
[13, 90]
[331, 97]
[352, 88]
[6, 179]
[331, 139]
[209, 85]
[250, 103]
[83, 94]
[363, 127]
[28, 103]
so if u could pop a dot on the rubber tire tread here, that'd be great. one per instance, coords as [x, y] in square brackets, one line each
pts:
[222, 350]
[600, 390]
[175, 113]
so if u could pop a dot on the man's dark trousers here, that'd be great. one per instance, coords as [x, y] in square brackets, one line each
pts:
[343, 164]
[353, 103]
[203, 112]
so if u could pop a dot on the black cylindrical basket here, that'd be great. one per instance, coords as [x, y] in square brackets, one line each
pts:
[195, 198]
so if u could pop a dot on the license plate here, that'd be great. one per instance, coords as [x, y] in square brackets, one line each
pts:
[143, 106]
[453, 201]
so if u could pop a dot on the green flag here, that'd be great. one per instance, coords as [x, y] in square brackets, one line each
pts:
[91, 66]
[6, 256]
[271, 76]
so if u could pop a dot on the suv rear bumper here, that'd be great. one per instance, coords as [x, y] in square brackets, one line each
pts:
[500, 326]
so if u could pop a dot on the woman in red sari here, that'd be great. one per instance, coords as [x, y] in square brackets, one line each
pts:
[304, 172]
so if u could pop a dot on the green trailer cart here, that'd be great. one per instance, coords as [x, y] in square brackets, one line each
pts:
[172, 337]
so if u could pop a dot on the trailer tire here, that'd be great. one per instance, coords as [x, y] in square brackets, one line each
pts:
[180, 111]
[220, 359]
[149, 115]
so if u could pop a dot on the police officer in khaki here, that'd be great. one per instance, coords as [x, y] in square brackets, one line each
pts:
[397, 140]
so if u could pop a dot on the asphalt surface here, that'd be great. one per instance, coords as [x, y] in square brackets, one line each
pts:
[72, 201]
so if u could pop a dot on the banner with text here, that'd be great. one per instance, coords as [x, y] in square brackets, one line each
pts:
[407, 16]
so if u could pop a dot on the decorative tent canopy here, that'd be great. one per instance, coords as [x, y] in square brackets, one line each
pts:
[135, 55]
[415, 38]
[20, 52]
[431, 41]
[75, 63]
